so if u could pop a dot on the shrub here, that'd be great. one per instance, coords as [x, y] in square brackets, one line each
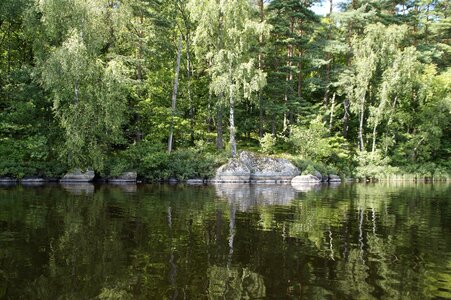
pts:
[268, 143]
[28, 157]
[154, 163]
[311, 141]
[372, 165]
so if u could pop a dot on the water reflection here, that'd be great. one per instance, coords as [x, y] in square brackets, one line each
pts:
[307, 187]
[79, 189]
[126, 187]
[235, 283]
[246, 196]
[179, 242]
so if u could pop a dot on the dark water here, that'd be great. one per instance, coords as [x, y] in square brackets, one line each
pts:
[225, 242]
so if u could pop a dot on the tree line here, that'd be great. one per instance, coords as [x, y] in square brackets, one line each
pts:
[143, 84]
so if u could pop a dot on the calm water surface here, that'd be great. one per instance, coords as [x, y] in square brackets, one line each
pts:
[225, 242]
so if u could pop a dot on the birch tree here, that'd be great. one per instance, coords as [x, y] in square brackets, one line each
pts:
[87, 90]
[226, 34]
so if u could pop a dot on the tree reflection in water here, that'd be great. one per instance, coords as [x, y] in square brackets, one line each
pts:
[231, 242]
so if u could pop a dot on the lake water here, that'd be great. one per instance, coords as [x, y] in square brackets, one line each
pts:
[225, 242]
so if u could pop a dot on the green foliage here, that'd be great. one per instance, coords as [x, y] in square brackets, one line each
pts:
[372, 165]
[192, 163]
[268, 143]
[311, 141]
[152, 162]
[87, 84]
[28, 157]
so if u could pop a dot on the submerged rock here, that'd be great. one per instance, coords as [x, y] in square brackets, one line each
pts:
[78, 176]
[233, 171]
[124, 177]
[267, 169]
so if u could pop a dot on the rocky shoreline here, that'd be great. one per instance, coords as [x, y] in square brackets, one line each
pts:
[256, 169]
[247, 168]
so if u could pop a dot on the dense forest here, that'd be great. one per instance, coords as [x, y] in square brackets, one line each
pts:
[172, 88]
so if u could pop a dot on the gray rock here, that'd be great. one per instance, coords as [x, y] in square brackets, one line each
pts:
[7, 180]
[334, 178]
[124, 177]
[173, 180]
[303, 179]
[196, 181]
[318, 175]
[32, 181]
[233, 171]
[78, 176]
[268, 169]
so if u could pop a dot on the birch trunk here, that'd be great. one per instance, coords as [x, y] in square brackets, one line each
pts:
[174, 94]
[362, 113]
[232, 122]
[346, 118]
[332, 113]
[328, 58]
[219, 133]
[260, 66]
[188, 78]
[76, 92]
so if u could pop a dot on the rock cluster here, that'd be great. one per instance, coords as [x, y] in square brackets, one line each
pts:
[253, 168]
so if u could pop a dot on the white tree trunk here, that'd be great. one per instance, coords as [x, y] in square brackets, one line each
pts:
[232, 123]
[174, 94]
[362, 113]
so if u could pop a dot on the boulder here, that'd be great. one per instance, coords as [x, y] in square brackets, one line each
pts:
[197, 181]
[233, 171]
[265, 169]
[334, 178]
[7, 180]
[303, 179]
[173, 180]
[124, 177]
[32, 181]
[78, 176]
